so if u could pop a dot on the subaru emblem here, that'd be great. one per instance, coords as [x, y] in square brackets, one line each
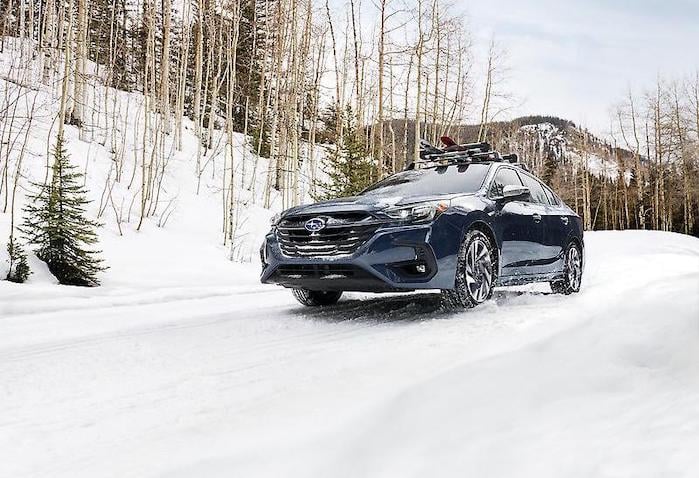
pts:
[315, 224]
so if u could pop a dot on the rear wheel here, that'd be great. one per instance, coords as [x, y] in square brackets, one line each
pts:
[475, 273]
[314, 298]
[572, 272]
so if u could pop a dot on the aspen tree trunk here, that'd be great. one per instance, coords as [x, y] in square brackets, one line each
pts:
[67, 59]
[182, 75]
[438, 51]
[653, 186]
[485, 109]
[659, 153]
[442, 107]
[165, 66]
[198, 66]
[405, 111]
[357, 77]
[419, 51]
[217, 81]
[263, 103]
[391, 129]
[230, 226]
[315, 113]
[275, 165]
[694, 91]
[587, 207]
[640, 184]
[18, 171]
[380, 116]
[4, 23]
[338, 98]
[48, 40]
[76, 113]
[147, 153]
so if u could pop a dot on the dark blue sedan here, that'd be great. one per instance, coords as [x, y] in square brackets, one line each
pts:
[463, 222]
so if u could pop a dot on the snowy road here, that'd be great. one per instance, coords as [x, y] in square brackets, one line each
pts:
[216, 380]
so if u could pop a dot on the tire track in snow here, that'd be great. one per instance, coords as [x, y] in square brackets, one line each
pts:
[127, 299]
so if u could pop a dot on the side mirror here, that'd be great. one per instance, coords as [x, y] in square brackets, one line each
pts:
[510, 191]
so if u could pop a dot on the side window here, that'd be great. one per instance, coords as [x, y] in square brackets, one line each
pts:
[551, 197]
[536, 190]
[504, 177]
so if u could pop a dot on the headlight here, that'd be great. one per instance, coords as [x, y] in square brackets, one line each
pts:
[422, 212]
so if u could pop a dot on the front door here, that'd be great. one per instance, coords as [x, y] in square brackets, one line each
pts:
[518, 222]
[522, 234]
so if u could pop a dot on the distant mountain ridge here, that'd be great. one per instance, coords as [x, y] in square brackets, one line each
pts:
[544, 142]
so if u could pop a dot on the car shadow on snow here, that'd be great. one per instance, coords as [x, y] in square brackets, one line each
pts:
[408, 307]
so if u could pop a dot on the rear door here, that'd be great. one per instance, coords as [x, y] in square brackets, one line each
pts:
[557, 228]
[516, 222]
[553, 231]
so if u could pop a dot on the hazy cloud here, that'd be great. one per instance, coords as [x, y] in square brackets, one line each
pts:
[576, 58]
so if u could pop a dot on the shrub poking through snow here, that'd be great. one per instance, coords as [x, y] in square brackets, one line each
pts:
[55, 223]
[19, 267]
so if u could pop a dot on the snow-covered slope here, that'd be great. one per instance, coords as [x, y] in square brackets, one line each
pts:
[225, 377]
[187, 218]
[539, 139]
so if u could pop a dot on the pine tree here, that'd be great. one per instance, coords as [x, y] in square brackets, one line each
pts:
[350, 172]
[19, 267]
[550, 168]
[55, 222]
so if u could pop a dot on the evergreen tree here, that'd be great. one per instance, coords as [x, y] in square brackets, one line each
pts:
[19, 267]
[550, 168]
[351, 170]
[55, 222]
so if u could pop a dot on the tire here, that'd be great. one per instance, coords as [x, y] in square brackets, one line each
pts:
[476, 270]
[572, 272]
[315, 298]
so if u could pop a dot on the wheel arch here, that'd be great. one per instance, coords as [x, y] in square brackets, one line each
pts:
[485, 228]
[579, 242]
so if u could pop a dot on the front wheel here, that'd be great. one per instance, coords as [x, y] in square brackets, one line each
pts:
[572, 272]
[475, 273]
[314, 298]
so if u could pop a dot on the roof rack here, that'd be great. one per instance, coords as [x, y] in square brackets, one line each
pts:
[453, 153]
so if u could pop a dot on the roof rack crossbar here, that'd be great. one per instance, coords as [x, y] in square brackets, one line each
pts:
[431, 156]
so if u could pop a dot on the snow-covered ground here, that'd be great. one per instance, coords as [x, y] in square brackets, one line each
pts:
[183, 365]
[220, 376]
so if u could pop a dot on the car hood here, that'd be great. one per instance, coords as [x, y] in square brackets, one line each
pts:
[366, 203]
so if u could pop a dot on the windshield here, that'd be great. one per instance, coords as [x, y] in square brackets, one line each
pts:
[466, 178]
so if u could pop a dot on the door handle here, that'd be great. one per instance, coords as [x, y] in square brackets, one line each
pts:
[537, 217]
[565, 220]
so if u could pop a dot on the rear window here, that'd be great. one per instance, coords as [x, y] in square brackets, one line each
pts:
[467, 178]
[553, 199]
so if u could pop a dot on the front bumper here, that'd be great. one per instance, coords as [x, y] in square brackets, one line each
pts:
[396, 258]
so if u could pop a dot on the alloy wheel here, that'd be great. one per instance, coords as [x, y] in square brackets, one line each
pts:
[479, 275]
[574, 268]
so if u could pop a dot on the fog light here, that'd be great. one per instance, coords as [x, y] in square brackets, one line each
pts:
[420, 268]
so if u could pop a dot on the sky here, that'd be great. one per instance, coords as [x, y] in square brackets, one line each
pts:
[577, 58]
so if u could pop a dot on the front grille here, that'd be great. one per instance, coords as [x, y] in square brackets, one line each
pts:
[343, 234]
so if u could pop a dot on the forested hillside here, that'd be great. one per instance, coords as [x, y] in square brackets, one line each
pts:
[644, 176]
[265, 104]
